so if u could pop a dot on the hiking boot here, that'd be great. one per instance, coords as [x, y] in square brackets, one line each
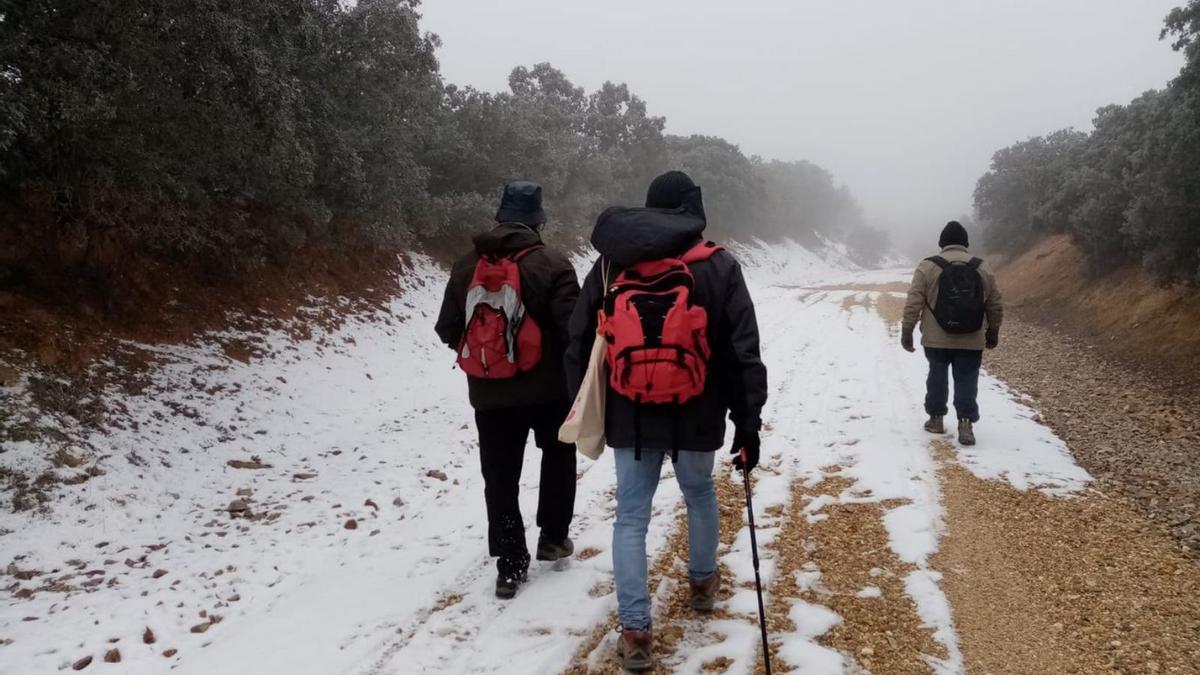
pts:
[966, 433]
[935, 425]
[548, 549]
[506, 584]
[704, 592]
[635, 650]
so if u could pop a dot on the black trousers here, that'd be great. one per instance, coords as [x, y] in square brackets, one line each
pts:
[502, 437]
[965, 363]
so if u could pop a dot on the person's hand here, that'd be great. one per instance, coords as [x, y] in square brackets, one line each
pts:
[906, 341]
[992, 338]
[747, 441]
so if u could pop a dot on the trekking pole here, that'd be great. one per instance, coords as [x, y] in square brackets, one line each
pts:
[762, 612]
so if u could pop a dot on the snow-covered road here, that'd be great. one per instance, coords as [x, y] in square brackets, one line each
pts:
[369, 423]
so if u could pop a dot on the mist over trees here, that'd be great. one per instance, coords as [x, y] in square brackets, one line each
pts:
[225, 135]
[1127, 192]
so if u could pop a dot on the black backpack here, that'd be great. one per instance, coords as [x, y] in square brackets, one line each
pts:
[960, 303]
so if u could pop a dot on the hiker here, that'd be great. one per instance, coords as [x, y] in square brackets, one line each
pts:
[505, 313]
[683, 350]
[957, 302]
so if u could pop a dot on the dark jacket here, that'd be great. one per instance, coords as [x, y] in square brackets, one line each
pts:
[548, 289]
[737, 378]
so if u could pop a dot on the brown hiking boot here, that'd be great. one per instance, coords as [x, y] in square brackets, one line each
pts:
[635, 650]
[966, 434]
[704, 591]
[935, 425]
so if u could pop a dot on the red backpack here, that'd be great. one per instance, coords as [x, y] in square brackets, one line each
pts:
[500, 339]
[657, 339]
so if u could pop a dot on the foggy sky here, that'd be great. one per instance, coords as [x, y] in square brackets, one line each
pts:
[903, 100]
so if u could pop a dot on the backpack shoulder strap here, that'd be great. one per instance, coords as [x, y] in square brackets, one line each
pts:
[517, 255]
[939, 261]
[702, 251]
[975, 263]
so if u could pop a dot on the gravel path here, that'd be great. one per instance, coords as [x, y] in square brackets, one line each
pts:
[832, 562]
[1137, 433]
[1048, 585]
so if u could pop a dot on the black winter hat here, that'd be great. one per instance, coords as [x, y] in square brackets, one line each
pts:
[675, 190]
[954, 234]
[521, 203]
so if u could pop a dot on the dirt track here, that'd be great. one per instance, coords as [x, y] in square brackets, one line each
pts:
[1037, 584]
[1137, 437]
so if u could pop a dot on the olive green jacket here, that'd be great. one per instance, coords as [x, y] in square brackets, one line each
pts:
[922, 296]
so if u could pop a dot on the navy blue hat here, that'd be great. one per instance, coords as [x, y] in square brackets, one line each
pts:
[521, 203]
[953, 234]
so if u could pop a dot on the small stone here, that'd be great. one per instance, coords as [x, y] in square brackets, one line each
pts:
[82, 663]
[253, 463]
[435, 473]
[64, 458]
[866, 651]
[112, 656]
[244, 492]
[148, 636]
[351, 524]
[158, 574]
[170, 652]
[397, 502]
[371, 503]
[8, 376]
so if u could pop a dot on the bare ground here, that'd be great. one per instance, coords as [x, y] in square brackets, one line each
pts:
[1050, 585]
[1136, 434]
[849, 548]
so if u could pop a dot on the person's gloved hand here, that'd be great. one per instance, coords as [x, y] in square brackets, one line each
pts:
[992, 338]
[745, 440]
[906, 341]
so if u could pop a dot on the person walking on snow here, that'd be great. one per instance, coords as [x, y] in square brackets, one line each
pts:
[683, 350]
[505, 313]
[955, 299]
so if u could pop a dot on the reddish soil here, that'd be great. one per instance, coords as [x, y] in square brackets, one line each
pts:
[1124, 314]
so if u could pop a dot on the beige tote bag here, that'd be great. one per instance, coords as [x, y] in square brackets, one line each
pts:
[584, 425]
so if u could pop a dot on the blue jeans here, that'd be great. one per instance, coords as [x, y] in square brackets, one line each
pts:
[636, 483]
[965, 364]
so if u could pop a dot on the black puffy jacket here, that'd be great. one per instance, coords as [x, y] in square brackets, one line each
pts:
[549, 288]
[737, 380]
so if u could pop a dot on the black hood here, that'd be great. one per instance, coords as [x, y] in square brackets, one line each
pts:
[506, 238]
[631, 235]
